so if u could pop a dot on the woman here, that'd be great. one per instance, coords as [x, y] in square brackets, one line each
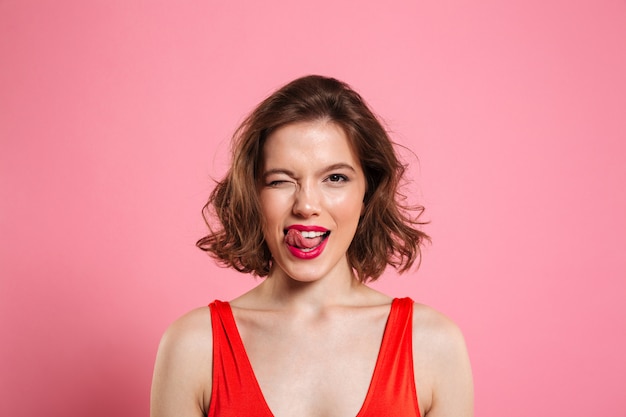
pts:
[311, 204]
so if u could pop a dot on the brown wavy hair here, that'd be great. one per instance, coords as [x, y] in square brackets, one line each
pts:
[388, 232]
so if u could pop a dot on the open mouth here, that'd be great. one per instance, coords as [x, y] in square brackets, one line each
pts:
[305, 240]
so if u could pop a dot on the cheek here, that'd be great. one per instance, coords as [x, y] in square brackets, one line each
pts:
[347, 205]
[273, 208]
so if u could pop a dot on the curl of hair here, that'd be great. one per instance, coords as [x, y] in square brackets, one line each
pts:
[388, 232]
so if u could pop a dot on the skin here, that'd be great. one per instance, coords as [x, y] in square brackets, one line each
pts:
[312, 331]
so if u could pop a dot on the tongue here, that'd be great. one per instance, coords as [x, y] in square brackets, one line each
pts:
[295, 238]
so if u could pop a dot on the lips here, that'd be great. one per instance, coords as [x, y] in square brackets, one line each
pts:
[306, 242]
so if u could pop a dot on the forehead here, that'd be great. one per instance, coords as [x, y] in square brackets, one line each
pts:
[315, 142]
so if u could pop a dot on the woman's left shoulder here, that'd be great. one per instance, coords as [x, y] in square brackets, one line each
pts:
[430, 323]
[436, 336]
[441, 363]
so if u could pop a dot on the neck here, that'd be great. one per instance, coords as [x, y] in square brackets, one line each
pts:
[282, 290]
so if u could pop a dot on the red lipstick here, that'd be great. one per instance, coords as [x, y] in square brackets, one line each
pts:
[303, 228]
[306, 247]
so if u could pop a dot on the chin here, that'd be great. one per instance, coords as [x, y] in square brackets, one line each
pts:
[301, 276]
[311, 272]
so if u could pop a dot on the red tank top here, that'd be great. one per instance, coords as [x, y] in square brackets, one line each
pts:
[236, 392]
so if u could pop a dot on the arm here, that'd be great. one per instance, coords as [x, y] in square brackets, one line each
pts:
[181, 385]
[443, 372]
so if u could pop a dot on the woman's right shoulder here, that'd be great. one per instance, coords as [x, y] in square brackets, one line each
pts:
[192, 327]
[189, 339]
[183, 368]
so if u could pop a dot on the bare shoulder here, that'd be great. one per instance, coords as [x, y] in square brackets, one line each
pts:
[194, 327]
[442, 368]
[181, 384]
[429, 325]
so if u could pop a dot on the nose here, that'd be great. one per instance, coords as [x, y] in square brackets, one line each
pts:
[306, 202]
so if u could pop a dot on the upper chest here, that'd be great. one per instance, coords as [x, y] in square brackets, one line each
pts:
[313, 366]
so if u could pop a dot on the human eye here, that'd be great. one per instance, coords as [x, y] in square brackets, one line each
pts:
[337, 178]
[275, 183]
[277, 180]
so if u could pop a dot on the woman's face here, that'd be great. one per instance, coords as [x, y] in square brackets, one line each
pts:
[311, 194]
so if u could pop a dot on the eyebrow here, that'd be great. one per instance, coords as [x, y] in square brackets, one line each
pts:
[340, 165]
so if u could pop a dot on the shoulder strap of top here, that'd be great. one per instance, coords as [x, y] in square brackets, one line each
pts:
[393, 382]
[235, 390]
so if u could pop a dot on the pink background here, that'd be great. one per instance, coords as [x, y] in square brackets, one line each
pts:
[114, 114]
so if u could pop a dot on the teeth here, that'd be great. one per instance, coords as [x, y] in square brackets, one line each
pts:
[310, 235]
